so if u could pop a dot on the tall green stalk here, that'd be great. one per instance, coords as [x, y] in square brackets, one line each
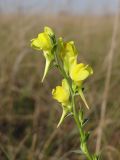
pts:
[63, 55]
[77, 118]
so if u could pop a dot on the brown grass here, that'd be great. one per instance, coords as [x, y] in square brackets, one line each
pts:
[28, 114]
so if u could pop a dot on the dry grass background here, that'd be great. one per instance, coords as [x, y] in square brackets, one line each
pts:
[28, 114]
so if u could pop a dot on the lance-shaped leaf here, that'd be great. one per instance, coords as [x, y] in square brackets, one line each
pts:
[78, 151]
[83, 97]
[85, 121]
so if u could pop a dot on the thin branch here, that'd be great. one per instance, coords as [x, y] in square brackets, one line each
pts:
[107, 80]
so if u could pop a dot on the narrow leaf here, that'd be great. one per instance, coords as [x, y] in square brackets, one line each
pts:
[85, 121]
[83, 98]
[77, 151]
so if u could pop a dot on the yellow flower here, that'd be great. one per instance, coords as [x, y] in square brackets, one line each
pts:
[61, 93]
[44, 40]
[79, 72]
[68, 54]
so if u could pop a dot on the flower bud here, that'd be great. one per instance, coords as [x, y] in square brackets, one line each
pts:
[49, 31]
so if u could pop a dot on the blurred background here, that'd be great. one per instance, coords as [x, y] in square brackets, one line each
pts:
[28, 114]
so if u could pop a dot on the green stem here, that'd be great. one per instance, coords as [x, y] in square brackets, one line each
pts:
[75, 115]
[80, 128]
[62, 70]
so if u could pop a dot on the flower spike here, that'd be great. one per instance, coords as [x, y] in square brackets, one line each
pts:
[63, 55]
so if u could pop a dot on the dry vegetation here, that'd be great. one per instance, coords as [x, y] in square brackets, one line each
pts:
[28, 114]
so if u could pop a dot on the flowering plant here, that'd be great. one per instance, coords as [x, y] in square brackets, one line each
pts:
[63, 55]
